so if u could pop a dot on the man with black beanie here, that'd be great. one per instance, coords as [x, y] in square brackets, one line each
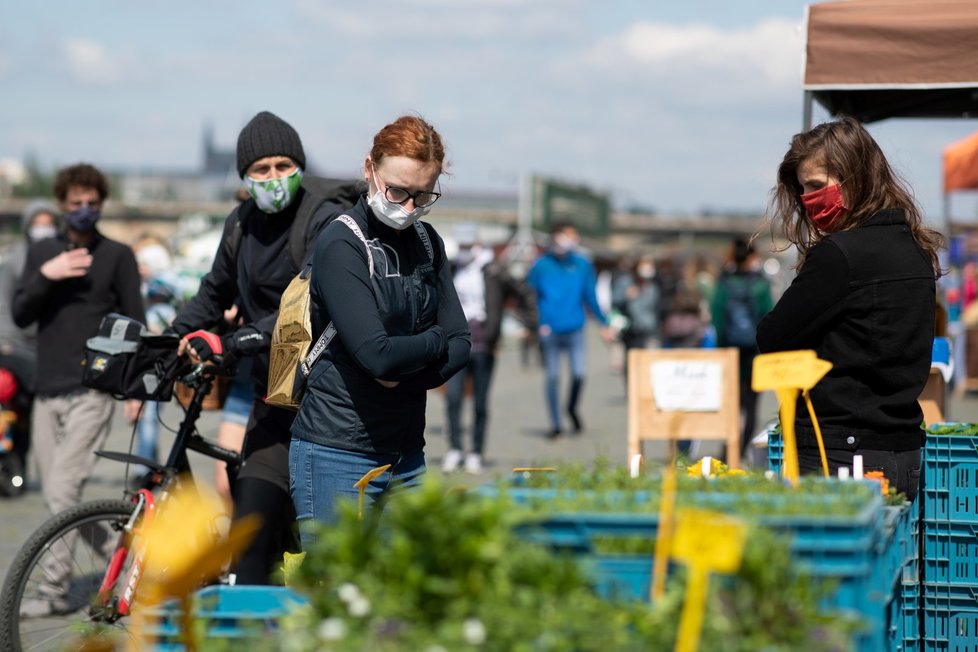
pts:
[252, 267]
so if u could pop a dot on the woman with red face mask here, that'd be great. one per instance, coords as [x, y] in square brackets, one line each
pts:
[863, 299]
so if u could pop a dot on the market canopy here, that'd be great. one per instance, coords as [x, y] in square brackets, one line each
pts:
[877, 59]
[961, 164]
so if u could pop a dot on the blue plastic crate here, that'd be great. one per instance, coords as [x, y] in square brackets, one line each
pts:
[905, 618]
[951, 553]
[950, 478]
[950, 618]
[898, 545]
[843, 549]
[775, 451]
[237, 613]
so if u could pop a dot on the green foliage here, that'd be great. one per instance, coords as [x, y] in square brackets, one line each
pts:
[576, 488]
[443, 570]
[956, 429]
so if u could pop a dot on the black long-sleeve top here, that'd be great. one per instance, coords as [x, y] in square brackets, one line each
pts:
[402, 324]
[254, 276]
[68, 312]
[864, 300]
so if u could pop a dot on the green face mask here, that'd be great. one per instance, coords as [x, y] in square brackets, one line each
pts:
[274, 195]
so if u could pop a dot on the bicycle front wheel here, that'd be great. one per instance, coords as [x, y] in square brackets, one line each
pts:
[51, 591]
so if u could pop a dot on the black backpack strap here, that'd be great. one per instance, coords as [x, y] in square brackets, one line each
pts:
[425, 240]
[234, 241]
[298, 240]
[344, 193]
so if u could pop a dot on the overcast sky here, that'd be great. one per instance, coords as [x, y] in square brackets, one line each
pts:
[674, 105]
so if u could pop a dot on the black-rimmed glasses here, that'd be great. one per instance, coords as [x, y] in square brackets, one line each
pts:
[422, 199]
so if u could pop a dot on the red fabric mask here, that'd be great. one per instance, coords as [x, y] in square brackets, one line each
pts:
[824, 206]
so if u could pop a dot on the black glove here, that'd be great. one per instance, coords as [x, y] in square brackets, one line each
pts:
[245, 341]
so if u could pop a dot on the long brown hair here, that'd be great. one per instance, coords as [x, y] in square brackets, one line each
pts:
[867, 181]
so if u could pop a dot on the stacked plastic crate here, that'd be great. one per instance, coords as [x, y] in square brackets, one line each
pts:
[897, 568]
[949, 530]
[854, 551]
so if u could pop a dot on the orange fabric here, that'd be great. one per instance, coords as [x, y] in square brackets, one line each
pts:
[961, 164]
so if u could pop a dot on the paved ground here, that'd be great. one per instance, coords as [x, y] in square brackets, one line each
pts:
[517, 430]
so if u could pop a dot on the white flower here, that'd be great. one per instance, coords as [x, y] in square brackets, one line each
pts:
[473, 631]
[332, 629]
[359, 607]
[348, 592]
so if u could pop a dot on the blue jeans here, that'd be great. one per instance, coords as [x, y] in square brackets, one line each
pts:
[551, 346]
[147, 433]
[321, 476]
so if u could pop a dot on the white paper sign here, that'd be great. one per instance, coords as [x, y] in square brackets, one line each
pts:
[687, 386]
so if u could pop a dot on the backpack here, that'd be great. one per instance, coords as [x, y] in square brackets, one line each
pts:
[292, 353]
[740, 312]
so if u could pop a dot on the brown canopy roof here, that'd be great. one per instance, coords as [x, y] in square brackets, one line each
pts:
[876, 59]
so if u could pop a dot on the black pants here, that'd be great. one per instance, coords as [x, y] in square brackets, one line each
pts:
[262, 488]
[479, 368]
[901, 468]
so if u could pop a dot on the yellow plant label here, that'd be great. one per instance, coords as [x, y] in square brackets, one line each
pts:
[709, 540]
[370, 475]
[706, 542]
[798, 369]
[361, 485]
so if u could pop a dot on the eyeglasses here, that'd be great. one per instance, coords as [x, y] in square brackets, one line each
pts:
[422, 199]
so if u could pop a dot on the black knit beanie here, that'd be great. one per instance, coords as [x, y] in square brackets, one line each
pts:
[268, 135]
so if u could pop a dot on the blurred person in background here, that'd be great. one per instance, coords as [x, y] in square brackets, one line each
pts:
[69, 283]
[741, 298]
[864, 299]
[484, 286]
[159, 296]
[564, 283]
[639, 305]
[18, 346]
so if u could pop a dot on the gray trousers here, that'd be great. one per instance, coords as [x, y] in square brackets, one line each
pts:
[66, 430]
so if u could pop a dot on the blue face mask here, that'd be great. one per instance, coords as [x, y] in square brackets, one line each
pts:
[83, 219]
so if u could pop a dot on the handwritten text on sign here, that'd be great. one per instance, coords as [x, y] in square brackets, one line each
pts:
[687, 386]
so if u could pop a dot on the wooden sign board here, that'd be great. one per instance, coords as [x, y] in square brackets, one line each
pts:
[684, 394]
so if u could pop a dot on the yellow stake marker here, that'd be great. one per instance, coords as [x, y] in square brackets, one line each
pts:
[362, 483]
[663, 538]
[706, 542]
[182, 553]
[787, 373]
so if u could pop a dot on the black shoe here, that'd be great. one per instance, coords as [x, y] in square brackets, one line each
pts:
[553, 434]
[575, 421]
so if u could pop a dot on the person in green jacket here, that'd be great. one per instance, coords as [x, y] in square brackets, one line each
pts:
[741, 298]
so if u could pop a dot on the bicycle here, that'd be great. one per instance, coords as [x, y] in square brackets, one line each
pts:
[83, 565]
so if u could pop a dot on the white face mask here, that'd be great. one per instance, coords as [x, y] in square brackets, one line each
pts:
[41, 231]
[391, 214]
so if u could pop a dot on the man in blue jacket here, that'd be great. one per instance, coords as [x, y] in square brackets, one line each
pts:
[564, 282]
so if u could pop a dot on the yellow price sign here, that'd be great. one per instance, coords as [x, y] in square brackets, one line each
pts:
[706, 542]
[787, 373]
[787, 369]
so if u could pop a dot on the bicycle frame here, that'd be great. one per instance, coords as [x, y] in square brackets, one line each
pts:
[108, 607]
